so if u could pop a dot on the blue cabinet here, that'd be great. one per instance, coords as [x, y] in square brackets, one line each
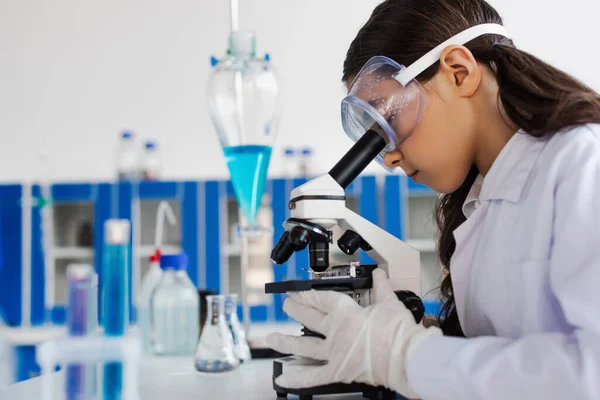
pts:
[202, 212]
[10, 253]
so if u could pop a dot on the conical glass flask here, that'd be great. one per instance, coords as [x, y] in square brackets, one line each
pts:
[215, 352]
[240, 343]
[243, 95]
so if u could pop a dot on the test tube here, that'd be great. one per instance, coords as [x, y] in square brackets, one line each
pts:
[79, 278]
[115, 297]
[91, 372]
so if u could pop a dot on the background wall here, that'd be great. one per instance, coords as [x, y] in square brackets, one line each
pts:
[74, 73]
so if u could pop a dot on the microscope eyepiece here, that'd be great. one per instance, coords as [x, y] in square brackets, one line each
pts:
[357, 158]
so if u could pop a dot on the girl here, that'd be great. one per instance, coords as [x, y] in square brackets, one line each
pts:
[513, 144]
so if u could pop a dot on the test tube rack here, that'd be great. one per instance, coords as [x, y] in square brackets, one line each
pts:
[91, 351]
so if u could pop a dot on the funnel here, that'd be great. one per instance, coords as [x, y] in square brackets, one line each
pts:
[243, 105]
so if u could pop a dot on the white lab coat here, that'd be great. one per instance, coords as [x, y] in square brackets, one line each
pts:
[526, 277]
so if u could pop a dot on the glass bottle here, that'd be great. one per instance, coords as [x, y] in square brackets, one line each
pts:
[215, 352]
[174, 309]
[240, 343]
[149, 283]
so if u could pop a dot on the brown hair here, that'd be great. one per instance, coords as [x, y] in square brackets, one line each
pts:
[533, 95]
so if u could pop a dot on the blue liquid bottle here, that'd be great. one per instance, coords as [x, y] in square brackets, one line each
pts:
[115, 305]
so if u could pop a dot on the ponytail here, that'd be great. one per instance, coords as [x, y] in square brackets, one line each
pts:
[539, 98]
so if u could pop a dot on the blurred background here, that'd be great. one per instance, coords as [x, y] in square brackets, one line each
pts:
[74, 73]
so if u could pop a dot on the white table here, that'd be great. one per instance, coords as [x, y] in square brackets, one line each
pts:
[176, 379]
[163, 378]
[30, 335]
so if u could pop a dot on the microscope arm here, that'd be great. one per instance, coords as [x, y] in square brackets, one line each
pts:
[322, 201]
[400, 261]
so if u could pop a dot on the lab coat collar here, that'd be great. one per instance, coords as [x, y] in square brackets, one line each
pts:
[472, 200]
[509, 173]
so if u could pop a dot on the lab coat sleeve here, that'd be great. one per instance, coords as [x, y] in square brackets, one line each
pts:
[546, 365]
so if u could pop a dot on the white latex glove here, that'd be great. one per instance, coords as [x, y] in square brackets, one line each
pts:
[369, 345]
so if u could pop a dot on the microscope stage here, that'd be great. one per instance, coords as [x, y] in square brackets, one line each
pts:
[340, 278]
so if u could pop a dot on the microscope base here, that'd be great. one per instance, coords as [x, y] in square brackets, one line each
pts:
[368, 392]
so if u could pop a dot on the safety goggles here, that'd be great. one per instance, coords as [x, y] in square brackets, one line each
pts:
[385, 96]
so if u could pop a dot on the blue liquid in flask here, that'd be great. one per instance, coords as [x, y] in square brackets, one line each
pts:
[248, 167]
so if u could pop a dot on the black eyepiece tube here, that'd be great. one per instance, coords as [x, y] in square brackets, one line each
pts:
[357, 158]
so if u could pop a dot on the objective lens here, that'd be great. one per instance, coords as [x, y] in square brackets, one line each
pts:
[319, 256]
[283, 250]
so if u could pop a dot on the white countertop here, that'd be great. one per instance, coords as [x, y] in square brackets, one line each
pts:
[176, 379]
[163, 378]
[31, 335]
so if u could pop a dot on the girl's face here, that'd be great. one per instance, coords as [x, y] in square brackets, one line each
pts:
[440, 151]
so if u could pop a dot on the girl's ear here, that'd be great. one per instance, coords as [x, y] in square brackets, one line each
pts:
[460, 69]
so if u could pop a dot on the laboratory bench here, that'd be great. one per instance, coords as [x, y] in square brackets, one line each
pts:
[176, 379]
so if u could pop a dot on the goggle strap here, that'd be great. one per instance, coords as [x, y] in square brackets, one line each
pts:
[410, 73]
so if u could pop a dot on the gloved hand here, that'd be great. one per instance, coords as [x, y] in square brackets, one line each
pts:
[370, 345]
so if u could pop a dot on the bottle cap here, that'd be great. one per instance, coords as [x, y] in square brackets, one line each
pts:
[127, 135]
[307, 151]
[289, 151]
[80, 273]
[154, 258]
[150, 145]
[116, 231]
[174, 261]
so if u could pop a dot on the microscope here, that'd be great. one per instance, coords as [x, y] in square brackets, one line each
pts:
[316, 208]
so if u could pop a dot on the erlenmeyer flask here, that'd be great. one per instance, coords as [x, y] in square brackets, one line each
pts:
[241, 348]
[215, 352]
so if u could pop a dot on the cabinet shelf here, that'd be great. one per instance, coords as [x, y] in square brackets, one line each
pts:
[73, 252]
[147, 251]
[234, 250]
[30, 336]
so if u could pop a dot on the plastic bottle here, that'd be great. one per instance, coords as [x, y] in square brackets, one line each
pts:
[305, 162]
[151, 162]
[149, 283]
[290, 163]
[174, 308]
[127, 160]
